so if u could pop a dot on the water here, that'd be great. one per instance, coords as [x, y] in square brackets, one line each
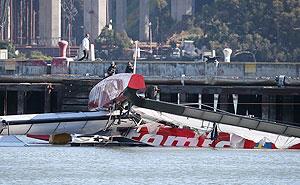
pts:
[121, 165]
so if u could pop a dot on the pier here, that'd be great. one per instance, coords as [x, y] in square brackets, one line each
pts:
[264, 90]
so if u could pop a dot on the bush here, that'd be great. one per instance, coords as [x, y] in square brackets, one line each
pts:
[111, 45]
[39, 55]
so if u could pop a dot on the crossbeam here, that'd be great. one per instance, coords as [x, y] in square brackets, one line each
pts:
[217, 117]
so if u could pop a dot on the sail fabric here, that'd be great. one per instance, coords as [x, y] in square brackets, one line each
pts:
[110, 90]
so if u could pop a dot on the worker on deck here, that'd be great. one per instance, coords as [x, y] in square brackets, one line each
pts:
[85, 47]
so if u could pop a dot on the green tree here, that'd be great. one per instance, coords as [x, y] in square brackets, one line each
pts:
[162, 23]
[269, 29]
[111, 45]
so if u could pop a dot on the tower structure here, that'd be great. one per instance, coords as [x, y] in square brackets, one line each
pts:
[95, 16]
[121, 15]
[144, 20]
[49, 22]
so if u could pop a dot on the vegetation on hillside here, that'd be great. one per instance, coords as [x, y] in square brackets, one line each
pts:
[269, 30]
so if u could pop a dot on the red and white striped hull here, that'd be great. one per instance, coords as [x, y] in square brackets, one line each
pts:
[229, 137]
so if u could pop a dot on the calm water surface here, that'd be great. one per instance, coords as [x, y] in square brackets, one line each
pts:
[121, 165]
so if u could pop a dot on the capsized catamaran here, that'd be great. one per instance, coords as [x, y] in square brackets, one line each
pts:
[118, 107]
[163, 129]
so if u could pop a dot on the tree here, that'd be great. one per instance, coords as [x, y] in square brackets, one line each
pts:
[162, 23]
[111, 45]
[267, 28]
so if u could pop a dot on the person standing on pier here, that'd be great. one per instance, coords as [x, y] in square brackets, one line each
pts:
[129, 68]
[85, 47]
[112, 69]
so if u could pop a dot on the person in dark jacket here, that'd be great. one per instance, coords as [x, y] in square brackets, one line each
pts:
[112, 69]
[129, 68]
[152, 92]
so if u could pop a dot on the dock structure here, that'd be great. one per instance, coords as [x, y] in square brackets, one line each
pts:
[264, 90]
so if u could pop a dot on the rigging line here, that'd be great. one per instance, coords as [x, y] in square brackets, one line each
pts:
[25, 144]
[286, 141]
[139, 123]
[277, 138]
[53, 132]
[84, 124]
[208, 126]
[289, 142]
[29, 129]
[136, 119]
